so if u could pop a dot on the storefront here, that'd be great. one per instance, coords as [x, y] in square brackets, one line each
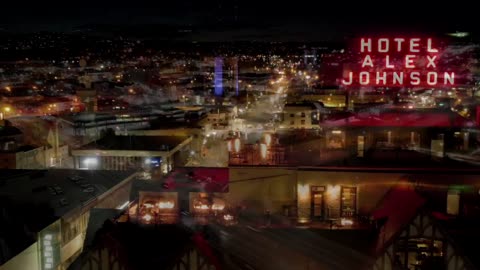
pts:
[155, 208]
[328, 193]
[325, 202]
[210, 207]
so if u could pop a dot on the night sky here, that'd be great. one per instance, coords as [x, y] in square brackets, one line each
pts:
[222, 19]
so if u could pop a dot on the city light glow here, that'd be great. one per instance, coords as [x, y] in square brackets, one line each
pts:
[218, 207]
[346, 222]
[333, 191]
[202, 207]
[147, 217]
[89, 162]
[303, 191]
[268, 139]
[263, 150]
[237, 145]
[166, 205]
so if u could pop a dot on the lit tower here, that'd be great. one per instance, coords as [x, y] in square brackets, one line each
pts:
[218, 76]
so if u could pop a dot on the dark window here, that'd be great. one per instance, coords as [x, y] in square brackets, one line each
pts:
[303, 114]
[292, 123]
[302, 122]
[292, 115]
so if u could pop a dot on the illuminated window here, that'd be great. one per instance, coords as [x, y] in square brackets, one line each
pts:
[420, 251]
[348, 204]
[335, 139]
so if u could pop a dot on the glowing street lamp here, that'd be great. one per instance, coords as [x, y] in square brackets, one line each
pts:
[237, 145]
[263, 150]
[268, 139]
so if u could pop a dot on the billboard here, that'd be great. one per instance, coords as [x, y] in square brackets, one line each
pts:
[398, 62]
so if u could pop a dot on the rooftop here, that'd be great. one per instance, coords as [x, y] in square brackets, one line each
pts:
[401, 118]
[403, 203]
[33, 199]
[307, 149]
[136, 143]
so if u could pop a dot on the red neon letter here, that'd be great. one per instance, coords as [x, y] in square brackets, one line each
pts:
[367, 61]
[432, 78]
[415, 78]
[387, 62]
[409, 61]
[350, 77]
[429, 46]
[414, 43]
[367, 44]
[398, 78]
[383, 78]
[383, 45]
[399, 43]
[431, 60]
[364, 78]
[450, 78]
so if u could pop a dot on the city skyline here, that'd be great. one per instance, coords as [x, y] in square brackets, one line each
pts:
[239, 135]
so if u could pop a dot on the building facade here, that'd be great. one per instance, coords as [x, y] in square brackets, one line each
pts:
[61, 240]
[300, 116]
[123, 156]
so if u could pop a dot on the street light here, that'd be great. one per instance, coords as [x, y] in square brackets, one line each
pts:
[268, 139]
[237, 145]
[90, 162]
[6, 110]
[263, 150]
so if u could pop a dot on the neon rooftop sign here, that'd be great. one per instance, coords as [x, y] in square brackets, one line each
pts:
[397, 61]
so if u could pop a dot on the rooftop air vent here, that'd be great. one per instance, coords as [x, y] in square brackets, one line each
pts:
[88, 190]
[75, 178]
[63, 202]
